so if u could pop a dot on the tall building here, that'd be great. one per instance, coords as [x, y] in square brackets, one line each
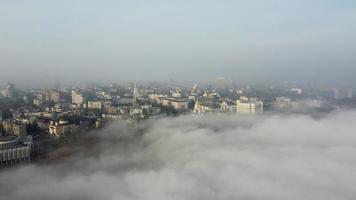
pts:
[55, 96]
[9, 90]
[77, 98]
[220, 83]
[135, 93]
[249, 106]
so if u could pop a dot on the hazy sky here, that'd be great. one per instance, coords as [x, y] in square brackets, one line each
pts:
[112, 40]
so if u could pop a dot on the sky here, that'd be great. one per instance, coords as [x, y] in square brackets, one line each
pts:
[205, 157]
[248, 40]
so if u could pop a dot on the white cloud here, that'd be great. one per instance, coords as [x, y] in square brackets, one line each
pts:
[205, 157]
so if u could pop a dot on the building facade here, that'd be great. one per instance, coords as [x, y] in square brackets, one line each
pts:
[249, 106]
[95, 105]
[77, 98]
[14, 150]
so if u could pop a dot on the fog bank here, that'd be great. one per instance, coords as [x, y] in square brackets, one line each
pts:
[203, 157]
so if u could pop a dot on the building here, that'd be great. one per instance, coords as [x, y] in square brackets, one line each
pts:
[14, 149]
[200, 108]
[342, 93]
[250, 106]
[227, 107]
[77, 98]
[14, 127]
[282, 103]
[20, 129]
[9, 90]
[149, 110]
[158, 98]
[61, 128]
[220, 83]
[47, 96]
[135, 93]
[55, 96]
[177, 93]
[298, 91]
[95, 105]
[126, 100]
[112, 110]
[39, 100]
[136, 111]
[179, 104]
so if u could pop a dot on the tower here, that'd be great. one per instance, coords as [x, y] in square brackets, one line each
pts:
[135, 93]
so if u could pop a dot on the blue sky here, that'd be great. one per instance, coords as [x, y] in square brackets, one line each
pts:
[156, 40]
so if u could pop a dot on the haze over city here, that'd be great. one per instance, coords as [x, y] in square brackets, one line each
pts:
[181, 100]
[112, 41]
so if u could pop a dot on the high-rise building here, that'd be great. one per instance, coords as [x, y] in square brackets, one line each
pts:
[77, 98]
[135, 93]
[9, 90]
[220, 83]
[55, 96]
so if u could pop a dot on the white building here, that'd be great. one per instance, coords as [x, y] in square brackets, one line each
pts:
[9, 90]
[249, 106]
[297, 90]
[77, 98]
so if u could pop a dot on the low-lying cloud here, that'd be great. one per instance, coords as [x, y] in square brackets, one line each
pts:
[203, 157]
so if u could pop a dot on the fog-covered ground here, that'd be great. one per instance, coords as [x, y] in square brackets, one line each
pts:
[202, 157]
